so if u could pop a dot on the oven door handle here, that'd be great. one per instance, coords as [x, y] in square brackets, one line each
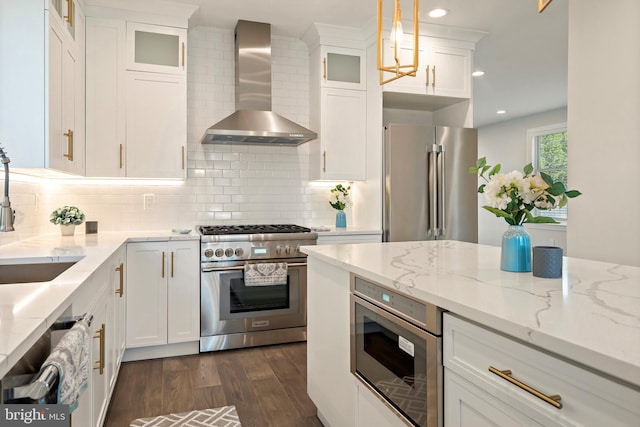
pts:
[241, 267]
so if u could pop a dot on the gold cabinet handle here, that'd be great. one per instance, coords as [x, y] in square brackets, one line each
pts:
[162, 263]
[427, 82]
[183, 157]
[69, 135]
[172, 256]
[433, 71]
[120, 156]
[69, 16]
[324, 68]
[324, 161]
[120, 290]
[183, 55]
[506, 375]
[99, 364]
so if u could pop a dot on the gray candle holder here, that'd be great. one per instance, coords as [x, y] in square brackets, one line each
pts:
[547, 262]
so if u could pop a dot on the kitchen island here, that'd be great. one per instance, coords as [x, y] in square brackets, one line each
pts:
[590, 318]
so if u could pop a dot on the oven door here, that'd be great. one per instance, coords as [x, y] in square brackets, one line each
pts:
[227, 306]
[399, 362]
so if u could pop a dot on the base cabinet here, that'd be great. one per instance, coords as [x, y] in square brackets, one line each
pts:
[163, 298]
[475, 396]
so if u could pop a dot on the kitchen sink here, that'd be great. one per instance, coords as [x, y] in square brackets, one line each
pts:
[29, 273]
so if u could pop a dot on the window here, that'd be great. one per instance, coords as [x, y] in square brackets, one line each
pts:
[549, 155]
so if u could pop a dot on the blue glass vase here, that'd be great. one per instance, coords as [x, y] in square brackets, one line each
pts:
[341, 219]
[516, 250]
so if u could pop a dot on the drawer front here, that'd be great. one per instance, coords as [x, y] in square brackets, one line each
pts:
[586, 397]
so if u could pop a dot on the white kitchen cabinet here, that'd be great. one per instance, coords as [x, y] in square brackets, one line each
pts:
[330, 384]
[156, 48]
[334, 238]
[116, 316]
[136, 120]
[42, 85]
[373, 412]
[476, 396]
[339, 153]
[442, 70]
[339, 113]
[163, 299]
[343, 68]
[156, 125]
[100, 374]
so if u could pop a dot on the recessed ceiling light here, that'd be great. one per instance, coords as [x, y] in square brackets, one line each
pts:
[477, 73]
[501, 112]
[438, 13]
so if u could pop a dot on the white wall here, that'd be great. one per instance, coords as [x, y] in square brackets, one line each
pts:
[506, 143]
[225, 184]
[604, 125]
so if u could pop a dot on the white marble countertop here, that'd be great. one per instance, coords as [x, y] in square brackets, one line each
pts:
[27, 310]
[590, 316]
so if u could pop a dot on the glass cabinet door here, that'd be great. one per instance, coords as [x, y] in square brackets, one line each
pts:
[66, 12]
[156, 48]
[343, 68]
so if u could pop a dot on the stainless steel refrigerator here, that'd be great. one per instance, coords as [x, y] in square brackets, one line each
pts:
[428, 190]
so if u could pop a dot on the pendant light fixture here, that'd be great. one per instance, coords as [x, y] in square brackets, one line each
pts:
[395, 67]
[542, 4]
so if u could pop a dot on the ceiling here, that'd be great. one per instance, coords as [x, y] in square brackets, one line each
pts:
[524, 54]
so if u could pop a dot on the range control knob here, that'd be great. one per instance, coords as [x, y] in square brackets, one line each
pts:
[239, 252]
[278, 250]
[219, 252]
[208, 253]
[287, 250]
[228, 252]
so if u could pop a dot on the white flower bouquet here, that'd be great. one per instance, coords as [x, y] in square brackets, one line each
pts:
[339, 198]
[67, 215]
[513, 195]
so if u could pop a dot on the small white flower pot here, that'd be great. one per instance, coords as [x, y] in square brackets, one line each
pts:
[67, 230]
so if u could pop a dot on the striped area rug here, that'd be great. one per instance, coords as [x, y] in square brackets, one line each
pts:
[217, 417]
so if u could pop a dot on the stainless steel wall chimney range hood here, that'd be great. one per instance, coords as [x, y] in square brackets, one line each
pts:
[254, 122]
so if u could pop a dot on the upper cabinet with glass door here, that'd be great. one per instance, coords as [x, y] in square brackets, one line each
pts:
[343, 68]
[156, 48]
[66, 12]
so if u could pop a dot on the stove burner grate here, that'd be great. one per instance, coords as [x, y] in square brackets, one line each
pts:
[207, 230]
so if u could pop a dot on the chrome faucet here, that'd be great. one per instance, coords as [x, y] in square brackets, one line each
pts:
[7, 215]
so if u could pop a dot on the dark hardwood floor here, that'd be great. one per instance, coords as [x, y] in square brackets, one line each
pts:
[267, 385]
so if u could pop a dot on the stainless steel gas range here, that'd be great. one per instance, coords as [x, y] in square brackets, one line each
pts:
[235, 312]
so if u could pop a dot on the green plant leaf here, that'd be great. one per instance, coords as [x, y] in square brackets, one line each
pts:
[563, 201]
[484, 169]
[481, 162]
[572, 193]
[498, 212]
[528, 169]
[473, 170]
[542, 220]
[556, 189]
[546, 178]
[495, 170]
[481, 188]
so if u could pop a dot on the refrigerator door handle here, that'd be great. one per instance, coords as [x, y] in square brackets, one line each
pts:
[441, 230]
[432, 177]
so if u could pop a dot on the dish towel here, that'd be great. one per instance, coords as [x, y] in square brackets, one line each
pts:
[71, 358]
[265, 274]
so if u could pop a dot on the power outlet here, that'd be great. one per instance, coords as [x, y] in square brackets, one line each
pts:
[147, 201]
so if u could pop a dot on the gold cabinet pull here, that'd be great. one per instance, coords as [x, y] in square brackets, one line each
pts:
[183, 157]
[433, 71]
[183, 55]
[427, 82]
[120, 290]
[69, 135]
[69, 16]
[324, 161]
[99, 364]
[172, 256]
[162, 263]
[506, 375]
[324, 68]
[120, 156]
